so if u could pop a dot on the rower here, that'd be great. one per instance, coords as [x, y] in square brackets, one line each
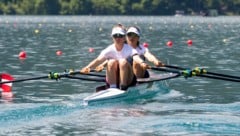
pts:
[119, 72]
[133, 37]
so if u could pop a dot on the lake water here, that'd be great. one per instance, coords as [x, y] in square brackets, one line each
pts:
[192, 106]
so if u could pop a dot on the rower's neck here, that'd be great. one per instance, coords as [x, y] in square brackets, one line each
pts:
[133, 45]
[119, 46]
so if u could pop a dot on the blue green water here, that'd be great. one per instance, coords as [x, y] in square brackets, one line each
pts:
[193, 106]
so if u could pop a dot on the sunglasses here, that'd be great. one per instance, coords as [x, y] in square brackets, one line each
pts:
[118, 36]
[132, 35]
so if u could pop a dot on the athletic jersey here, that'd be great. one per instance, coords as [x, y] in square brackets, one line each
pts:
[141, 51]
[111, 52]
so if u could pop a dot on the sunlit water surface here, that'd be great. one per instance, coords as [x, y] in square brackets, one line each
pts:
[193, 106]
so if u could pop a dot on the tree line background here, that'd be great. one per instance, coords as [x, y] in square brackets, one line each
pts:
[116, 7]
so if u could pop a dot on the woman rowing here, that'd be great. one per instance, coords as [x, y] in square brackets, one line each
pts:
[119, 72]
[133, 37]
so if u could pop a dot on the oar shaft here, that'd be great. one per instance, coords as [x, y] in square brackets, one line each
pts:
[89, 74]
[165, 70]
[60, 75]
[93, 74]
[208, 72]
[87, 79]
[175, 67]
[25, 79]
[221, 78]
[218, 74]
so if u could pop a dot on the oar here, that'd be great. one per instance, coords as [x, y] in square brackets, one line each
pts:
[24, 79]
[165, 70]
[206, 72]
[54, 75]
[91, 74]
[190, 73]
[221, 78]
[175, 67]
[223, 75]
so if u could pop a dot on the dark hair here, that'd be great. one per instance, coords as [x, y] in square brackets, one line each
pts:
[138, 43]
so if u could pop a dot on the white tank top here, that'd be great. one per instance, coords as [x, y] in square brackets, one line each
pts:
[141, 49]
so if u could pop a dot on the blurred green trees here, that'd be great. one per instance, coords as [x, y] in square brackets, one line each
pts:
[116, 7]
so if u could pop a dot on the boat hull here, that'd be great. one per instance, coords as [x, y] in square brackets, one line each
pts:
[142, 89]
[113, 94]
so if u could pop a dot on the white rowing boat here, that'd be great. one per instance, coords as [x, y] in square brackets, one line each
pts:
[142, 89]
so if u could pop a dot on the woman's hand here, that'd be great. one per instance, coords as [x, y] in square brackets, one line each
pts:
[144, 65]
[158, 64]
[99, 68]
[85, 70]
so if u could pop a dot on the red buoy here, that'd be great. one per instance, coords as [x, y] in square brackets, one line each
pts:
[59, 53]
[91, 50]
[22, 55]
[145, 45]
[169, 43]
[189, 42]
